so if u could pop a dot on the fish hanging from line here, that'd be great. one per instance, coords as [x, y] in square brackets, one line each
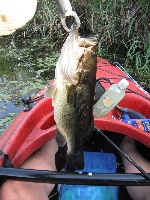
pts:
[73, 95]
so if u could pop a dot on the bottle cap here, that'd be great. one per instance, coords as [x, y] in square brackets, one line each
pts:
[123, 84]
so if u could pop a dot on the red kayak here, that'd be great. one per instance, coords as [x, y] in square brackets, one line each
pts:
[32, 128]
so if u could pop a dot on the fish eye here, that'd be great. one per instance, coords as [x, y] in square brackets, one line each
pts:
[93, 54]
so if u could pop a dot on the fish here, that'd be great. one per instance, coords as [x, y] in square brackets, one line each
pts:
[73, 95]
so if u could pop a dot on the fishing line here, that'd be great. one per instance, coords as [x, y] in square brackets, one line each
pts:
[102, 151]
[124, 154]
[28, 66]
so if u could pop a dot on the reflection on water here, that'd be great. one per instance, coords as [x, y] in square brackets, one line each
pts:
[17, 80]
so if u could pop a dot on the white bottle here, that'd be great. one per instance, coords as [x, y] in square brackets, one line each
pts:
[110, 98]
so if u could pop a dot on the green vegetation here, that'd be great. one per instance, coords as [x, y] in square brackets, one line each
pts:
[18, 79]
[122, 28]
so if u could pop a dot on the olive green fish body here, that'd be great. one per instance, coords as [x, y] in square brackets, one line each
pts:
[73, 100]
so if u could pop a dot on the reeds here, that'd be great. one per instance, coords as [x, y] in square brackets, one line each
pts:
[122, 27]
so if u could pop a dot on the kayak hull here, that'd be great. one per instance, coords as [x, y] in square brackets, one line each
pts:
[31, 129]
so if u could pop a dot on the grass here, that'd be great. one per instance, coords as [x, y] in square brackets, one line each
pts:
[122, 28]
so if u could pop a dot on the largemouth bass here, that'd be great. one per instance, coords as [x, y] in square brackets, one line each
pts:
[73, 95]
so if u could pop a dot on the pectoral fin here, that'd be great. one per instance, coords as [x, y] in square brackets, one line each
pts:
[50, 91]
[71, 95]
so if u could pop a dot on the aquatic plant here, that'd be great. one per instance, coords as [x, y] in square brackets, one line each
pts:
[17, 79]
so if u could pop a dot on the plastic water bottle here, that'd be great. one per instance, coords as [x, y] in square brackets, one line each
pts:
[110, 98]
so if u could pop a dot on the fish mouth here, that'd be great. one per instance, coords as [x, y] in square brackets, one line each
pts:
[73, 50]
[88, 42]
[83, 42]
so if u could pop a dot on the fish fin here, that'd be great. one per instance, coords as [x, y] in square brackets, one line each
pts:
[60, 139]
[75, 162]
[71, 95]
[50, 91]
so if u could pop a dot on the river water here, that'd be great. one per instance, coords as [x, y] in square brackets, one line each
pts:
[17, 78]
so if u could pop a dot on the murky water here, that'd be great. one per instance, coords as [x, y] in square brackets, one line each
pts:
[17, 78]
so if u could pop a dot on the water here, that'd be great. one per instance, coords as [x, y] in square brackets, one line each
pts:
[16, 79]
